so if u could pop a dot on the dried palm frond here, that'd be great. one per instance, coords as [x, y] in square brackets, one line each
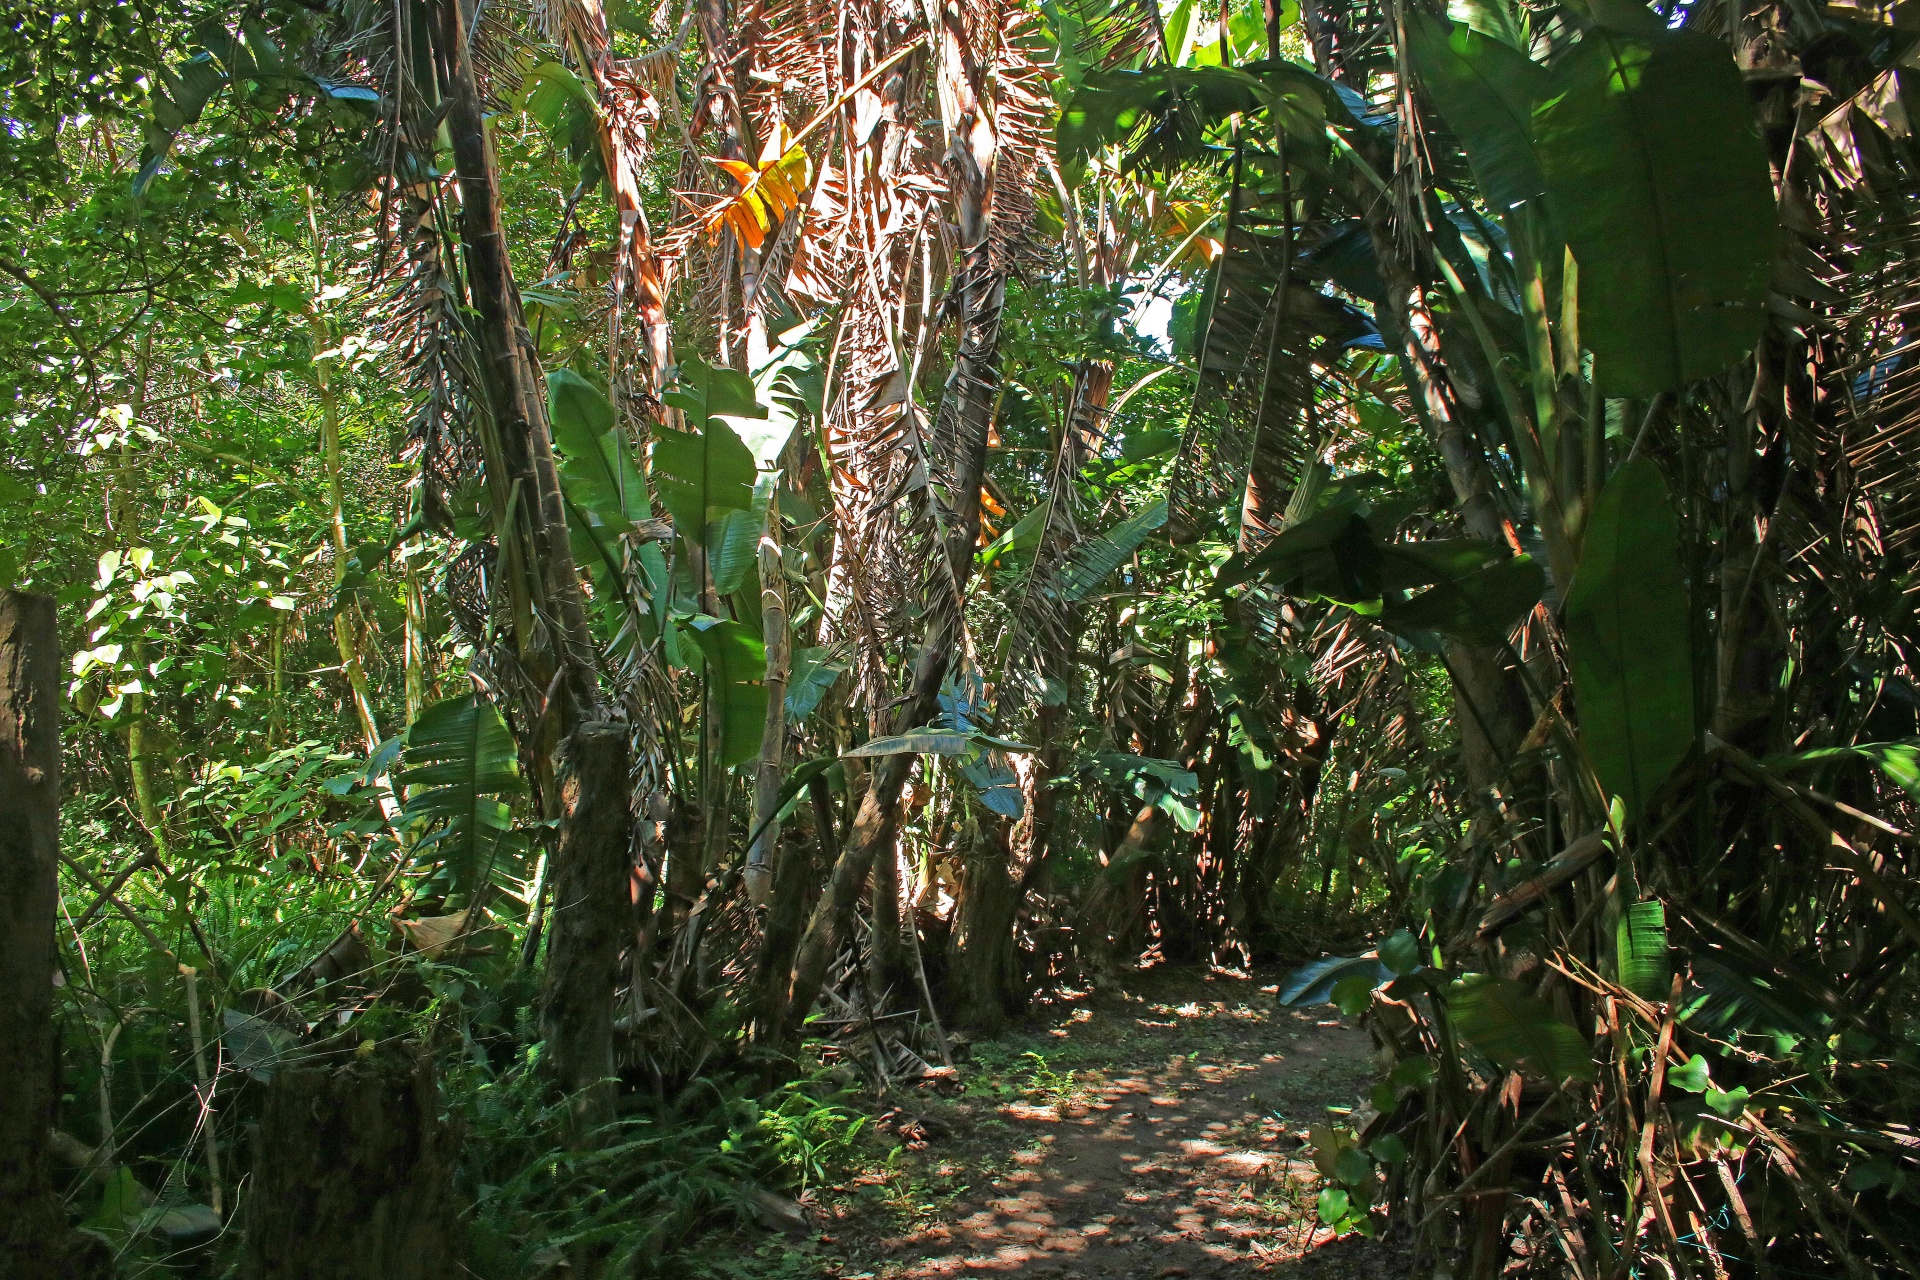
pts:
[1247, 438]
[1044, 629]
[1023, 111]
[627, 94]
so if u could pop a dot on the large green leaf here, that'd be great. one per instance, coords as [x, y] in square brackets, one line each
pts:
[1627, 638]
[1475, 591]
[596, 466]
[788, 387]
[1485, 91]
[1162, 115]
[926, 742]
[1660, 184]
[1303, 547]
[1490, 18]
[1314, 983]
[1733, 998]
[814, 672]
[736, 664]
[1517, 1029]
[1642, 946]
[707, 470]
[1480, 606]
[460, 768]
[733, 545]
[546, 90]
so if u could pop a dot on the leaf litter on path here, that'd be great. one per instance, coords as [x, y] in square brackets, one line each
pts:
[1148, 1130]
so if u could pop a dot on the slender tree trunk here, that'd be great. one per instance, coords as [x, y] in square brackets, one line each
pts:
[140, 754]
[516, 402]
[874, 827]
[418, 676]
[981, 978]
[588, 921]
[347, 621]
[140, 760]
[960, 432]
[1127, 873]
[889, 966]
[35, 1241]
[769, 773]
[1043, 804]
[794, 877]
[346, 634]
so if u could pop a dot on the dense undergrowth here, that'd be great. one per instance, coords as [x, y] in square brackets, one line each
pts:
[615, 580]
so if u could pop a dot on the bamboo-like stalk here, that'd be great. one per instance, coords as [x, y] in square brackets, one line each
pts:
[204, 1084]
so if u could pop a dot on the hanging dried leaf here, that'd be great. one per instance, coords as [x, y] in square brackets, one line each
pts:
[769, 191]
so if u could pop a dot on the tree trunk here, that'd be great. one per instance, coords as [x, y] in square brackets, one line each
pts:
[889, 967]
[1120, 927]
[769, 773]
[516, 402]
[960, 445]
[982, 980]
[34, 1239]
[352, 1177]
[874, 828]
[589, 918]
[793, 881]
[1043, 801]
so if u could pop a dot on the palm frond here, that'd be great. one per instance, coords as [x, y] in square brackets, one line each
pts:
[1113, 34]
[461, 769]
[1267, 326]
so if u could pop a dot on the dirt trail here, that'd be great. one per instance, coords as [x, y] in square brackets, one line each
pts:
[1150, 1131]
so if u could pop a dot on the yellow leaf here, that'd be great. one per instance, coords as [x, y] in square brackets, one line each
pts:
[746, 225]
[741, 172]
[768, 191]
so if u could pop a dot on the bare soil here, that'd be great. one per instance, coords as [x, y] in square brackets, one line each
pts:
[1147, 1130]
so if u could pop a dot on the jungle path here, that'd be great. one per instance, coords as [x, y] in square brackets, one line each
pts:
[1146, 1131]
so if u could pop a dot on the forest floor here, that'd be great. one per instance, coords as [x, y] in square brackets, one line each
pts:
[1147, 1130]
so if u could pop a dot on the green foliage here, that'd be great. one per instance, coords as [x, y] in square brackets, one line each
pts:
[939, 742]
[735, 662]
[1899, 761]
[1318, 982]
[1285, 735]
[814, 672]
[1657, 177]
[706, 471]
[1343, 553]
[1517, 1029]
[1161, 115]
[733, 542]
[1486, 90]
[1627, 618]
[1641, 943]
[636, 1198]
[598, 469]
[461, 770]
[1094, 560]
